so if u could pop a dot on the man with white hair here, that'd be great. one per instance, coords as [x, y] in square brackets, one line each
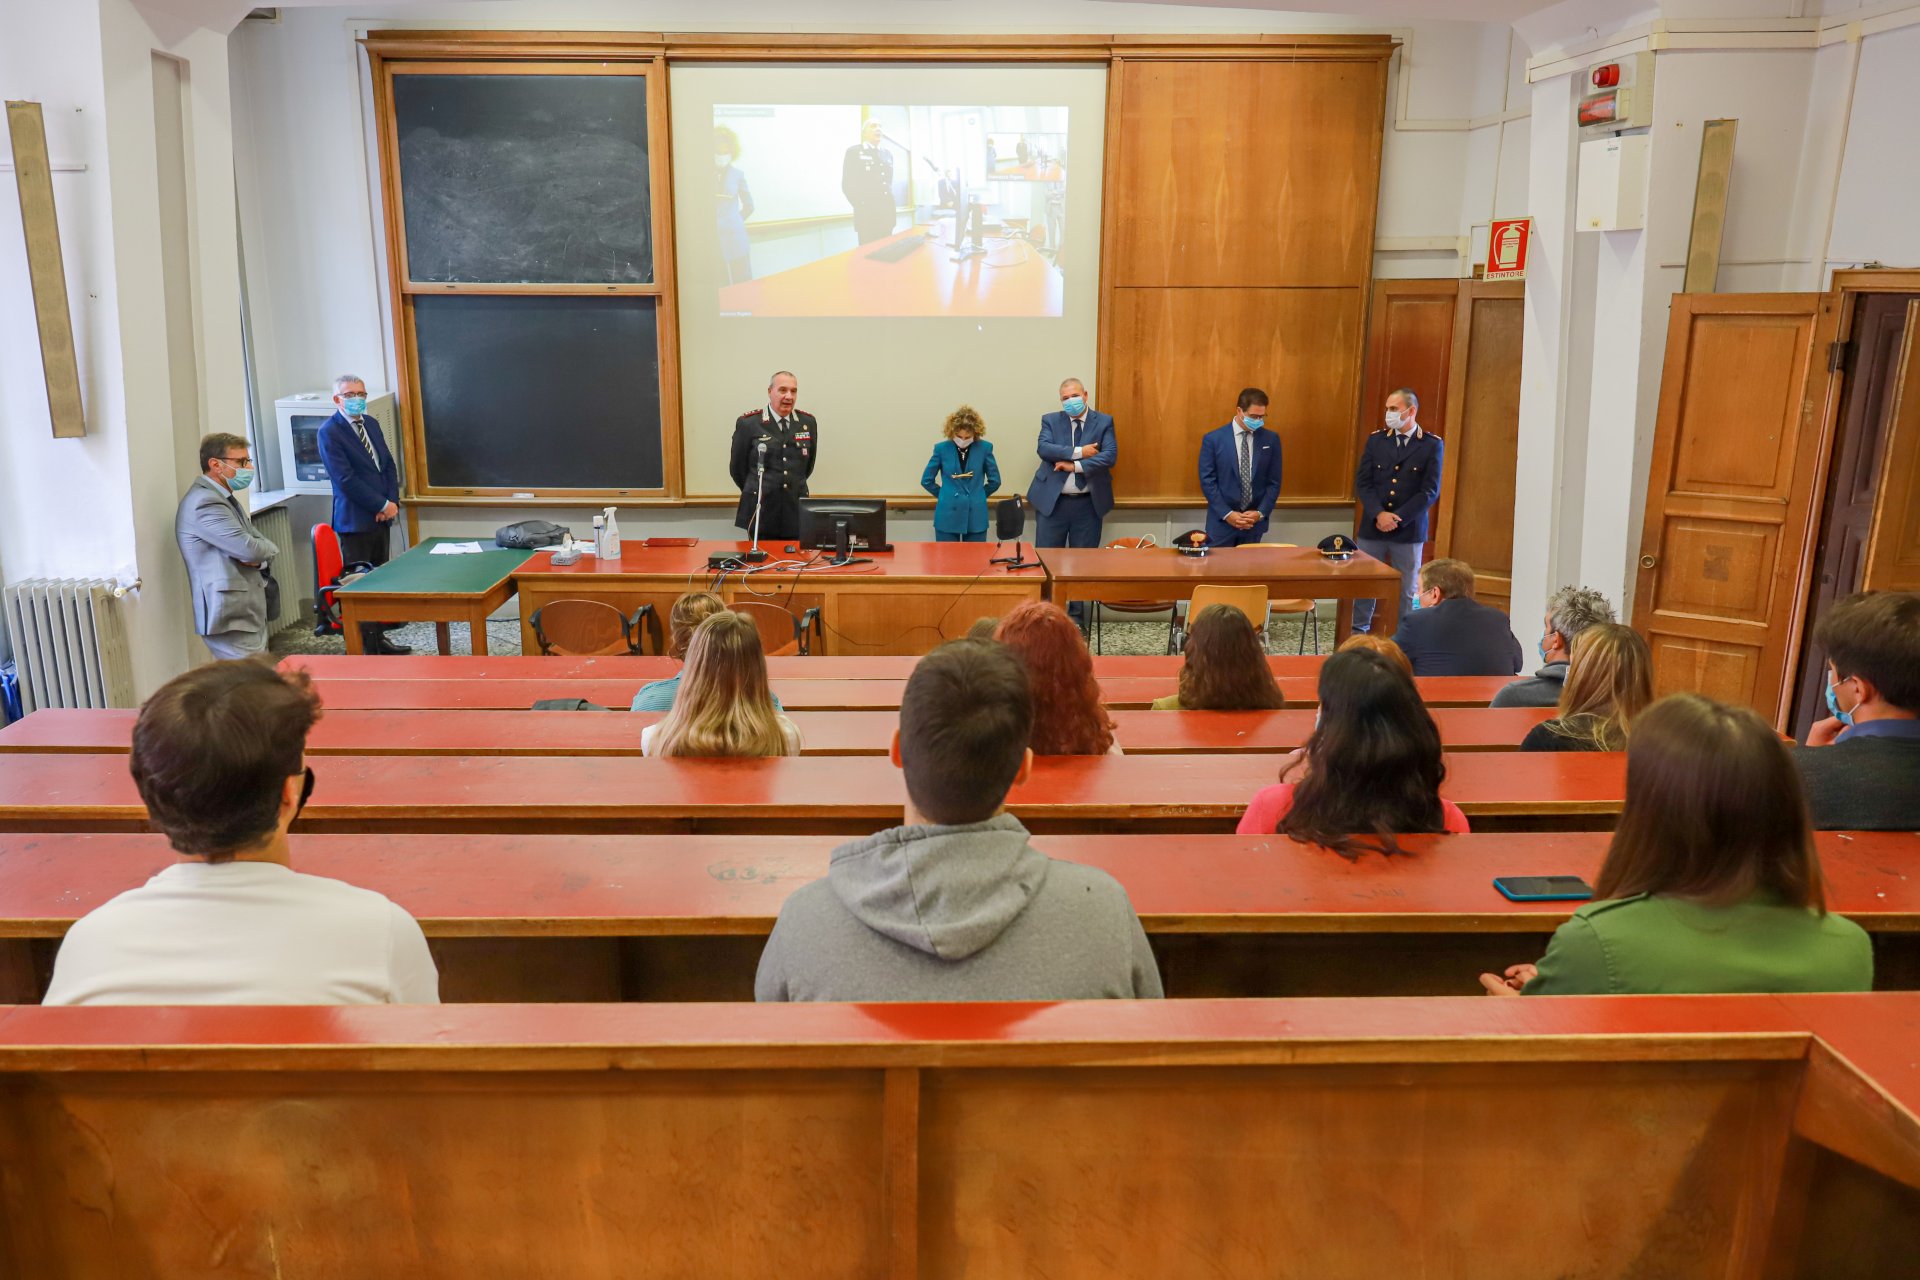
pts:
[366, 489]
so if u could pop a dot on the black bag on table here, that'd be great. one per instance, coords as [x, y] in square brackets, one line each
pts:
[529, 535]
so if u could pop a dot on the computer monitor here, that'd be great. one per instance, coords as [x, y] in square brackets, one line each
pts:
[843, 525]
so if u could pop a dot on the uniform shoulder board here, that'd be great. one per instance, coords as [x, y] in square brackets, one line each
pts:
[751, 413]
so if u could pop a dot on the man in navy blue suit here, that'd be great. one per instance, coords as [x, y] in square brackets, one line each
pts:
[1240, 474]
[1071, 492]
[1398, 480]
[366, 488]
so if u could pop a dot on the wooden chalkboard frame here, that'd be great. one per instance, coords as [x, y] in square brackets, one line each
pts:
[592, 52]
[404, 290]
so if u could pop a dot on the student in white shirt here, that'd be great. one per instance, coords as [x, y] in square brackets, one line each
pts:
[724, 706]
[218, 755]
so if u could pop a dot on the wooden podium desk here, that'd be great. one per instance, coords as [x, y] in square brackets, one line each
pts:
[804, 795]
[1680, 1136]
[419, 586]
[822, 733]
[565, 917]
[903, 601]
[1288, 573]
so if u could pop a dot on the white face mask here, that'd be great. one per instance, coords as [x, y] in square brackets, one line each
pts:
[721, 160]
[1395, 419]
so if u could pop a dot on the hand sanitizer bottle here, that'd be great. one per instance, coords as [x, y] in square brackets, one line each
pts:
[613, 537]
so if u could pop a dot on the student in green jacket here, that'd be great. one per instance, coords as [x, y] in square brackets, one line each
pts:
[1711, 884]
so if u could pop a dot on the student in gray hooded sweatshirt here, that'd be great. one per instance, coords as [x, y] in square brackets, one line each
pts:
[956, 904]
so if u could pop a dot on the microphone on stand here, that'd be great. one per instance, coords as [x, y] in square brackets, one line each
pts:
[755, 555]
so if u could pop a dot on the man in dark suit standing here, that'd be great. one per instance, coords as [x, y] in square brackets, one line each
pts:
[866, 179]
[1240, 474]
[366, 489]
[1071, 492]
[1449, 633]
[1398, 480]
[792, 441]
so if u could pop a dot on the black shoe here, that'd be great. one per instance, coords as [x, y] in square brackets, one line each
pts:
[387, 648]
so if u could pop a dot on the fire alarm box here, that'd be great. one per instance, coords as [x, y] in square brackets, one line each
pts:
[1613, 185]
[1617, 95]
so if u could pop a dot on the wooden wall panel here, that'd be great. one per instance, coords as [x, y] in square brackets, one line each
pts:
[1475, 520]
[1237, 249]
[1245, 173]
[1297, 344]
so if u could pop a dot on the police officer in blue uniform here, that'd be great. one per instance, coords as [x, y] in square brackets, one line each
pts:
[1398, 480]
[792, 439]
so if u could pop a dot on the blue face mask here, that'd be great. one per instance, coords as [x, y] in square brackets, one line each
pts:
[1541, 645]
[1254, 424]
[1833, 705]
[1074, 405]
[244, 478]
[353, 406]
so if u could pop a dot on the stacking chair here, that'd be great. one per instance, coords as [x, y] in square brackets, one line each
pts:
[782, 634]
[1251, 601]
[1128, 606]
[1309, 610]
[587, 628]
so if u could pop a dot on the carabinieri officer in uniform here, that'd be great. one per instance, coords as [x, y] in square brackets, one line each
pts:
[793, 446]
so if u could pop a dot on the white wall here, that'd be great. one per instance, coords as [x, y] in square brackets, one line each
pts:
[314, 250]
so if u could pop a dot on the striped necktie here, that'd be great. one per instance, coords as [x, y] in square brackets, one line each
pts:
[1246, 469]
[360, 429]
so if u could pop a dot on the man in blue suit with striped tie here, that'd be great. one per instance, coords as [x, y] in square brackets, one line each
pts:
[1240, 474]
[366, 488]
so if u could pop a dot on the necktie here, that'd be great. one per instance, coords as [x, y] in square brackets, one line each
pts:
[360, 429]
[1246, 469]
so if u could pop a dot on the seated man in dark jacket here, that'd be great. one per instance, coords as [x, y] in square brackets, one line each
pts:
[956, 904]
[1570, 610]
[1861, 766]
[1449, 633]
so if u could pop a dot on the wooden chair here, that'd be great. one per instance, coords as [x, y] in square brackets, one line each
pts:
[1129, 606]
[1250, 600]
[584, 628]
[782, 634]
[1307, 609]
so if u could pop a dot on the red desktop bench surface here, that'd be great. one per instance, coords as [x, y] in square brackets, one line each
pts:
[641, 669]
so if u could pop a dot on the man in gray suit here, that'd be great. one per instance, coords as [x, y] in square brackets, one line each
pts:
[226, 556]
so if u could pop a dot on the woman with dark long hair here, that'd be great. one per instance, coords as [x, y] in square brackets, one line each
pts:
[1068, 718]
[1711, 884]
[1370, 770]
[1225, 668]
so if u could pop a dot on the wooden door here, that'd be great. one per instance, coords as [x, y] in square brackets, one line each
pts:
[1738, 456]
[1869, 372]
[1483, 437]
[1893, 548]
[1410, 337]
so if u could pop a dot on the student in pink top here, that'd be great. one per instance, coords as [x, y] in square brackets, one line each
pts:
[1370, 770]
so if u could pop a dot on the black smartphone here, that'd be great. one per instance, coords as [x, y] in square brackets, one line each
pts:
[1543, 888]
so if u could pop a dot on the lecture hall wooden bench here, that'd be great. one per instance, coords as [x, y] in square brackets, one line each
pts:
[644, 668]
[558, 918]
[810, 794]
[824, 733]
[1690, 1136]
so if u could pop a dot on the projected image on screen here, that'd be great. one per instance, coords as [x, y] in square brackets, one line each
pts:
[864, 210]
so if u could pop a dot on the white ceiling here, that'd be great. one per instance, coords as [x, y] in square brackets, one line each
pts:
[1504, 11]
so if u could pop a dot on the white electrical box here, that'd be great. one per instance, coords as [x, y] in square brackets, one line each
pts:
[299, 419]
[1613, 185]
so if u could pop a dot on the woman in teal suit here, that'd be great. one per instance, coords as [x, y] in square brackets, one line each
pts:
[962, 475]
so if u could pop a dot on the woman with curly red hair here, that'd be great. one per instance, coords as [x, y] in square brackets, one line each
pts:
[1068, 719]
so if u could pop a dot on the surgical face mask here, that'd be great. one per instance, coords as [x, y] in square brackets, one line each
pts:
[721, 160]
[1253, 423]
[963, 438]
[241, 479]
[1833, 705]
[1395, 419]
[1074, 405]
[1541, 645]
[353, 406]
[306, 792]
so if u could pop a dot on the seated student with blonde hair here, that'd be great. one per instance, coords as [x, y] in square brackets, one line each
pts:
[956, 903]
[724, 707]
[1069, 718]
[1609, 682]
[1711, 884]
[688, 612]
[219, 759]
[1225, 667]
[1371, 769]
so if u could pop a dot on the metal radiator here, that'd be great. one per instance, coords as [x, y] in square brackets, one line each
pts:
[292, 568]
[69, 644]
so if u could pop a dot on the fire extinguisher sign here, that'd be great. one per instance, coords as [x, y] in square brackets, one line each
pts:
[1507, 249]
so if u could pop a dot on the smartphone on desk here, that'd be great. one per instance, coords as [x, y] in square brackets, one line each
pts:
[1543, 888]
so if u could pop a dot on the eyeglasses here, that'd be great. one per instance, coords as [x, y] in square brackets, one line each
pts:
[238, 462]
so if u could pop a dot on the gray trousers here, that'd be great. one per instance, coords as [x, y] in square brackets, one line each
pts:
[253, 644]
[1404, 556]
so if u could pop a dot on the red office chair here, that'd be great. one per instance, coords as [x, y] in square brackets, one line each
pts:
[329, 575]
